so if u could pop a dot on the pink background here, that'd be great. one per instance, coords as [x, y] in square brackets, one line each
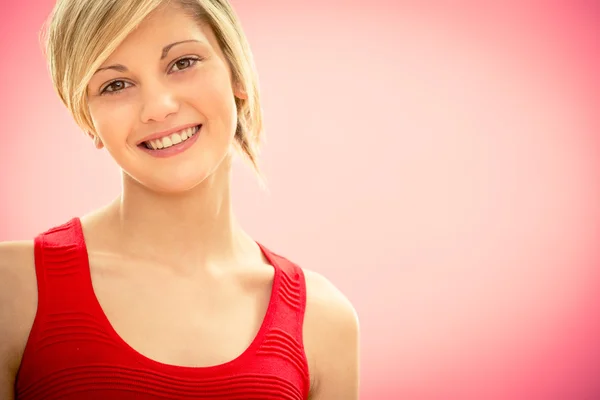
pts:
[438, 163]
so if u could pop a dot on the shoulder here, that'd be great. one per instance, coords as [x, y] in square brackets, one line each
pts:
[325, 303]
[18, 301]
[16, 262]
[17, 272]
[324, 299]
[331, 336]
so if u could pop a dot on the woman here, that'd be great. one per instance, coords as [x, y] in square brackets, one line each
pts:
[161, 294]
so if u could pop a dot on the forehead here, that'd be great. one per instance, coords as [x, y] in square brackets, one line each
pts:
[168, 23]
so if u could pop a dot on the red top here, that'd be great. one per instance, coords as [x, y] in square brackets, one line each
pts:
[74, 353]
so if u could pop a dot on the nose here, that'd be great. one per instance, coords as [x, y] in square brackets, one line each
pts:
[159, 102]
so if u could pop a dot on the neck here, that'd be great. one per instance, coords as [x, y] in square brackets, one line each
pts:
[186, 230]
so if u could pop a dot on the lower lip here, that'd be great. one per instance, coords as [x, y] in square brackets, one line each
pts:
[173, 150]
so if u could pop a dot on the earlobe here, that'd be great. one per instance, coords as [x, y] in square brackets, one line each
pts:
[97, 141]
[240, 92]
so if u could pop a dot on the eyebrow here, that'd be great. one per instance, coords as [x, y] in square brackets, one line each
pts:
[165, 51]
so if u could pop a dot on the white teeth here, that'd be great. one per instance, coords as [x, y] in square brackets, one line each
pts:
[173, 139]
[166, 141]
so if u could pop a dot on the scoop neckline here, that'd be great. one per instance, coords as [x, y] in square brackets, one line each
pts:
[126, 347]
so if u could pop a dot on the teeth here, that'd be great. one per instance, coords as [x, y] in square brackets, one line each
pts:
[175, 138]
[166, 141]
[172, 139]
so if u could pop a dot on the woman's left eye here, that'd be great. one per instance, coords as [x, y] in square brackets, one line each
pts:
[183, 63]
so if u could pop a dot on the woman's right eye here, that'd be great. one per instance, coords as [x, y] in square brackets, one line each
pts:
[114, 87]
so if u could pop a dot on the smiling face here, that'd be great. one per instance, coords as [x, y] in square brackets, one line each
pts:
[163, 103]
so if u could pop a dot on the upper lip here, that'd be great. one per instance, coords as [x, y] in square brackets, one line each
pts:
[165, 133]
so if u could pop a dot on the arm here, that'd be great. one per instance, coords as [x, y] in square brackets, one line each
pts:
[331, 332]
[18, 298]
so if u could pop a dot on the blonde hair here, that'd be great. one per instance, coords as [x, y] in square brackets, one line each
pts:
[81, 34]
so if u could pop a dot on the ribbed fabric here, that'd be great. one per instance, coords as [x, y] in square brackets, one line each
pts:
[73, 351]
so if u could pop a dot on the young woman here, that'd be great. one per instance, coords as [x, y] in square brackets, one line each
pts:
[161, 294]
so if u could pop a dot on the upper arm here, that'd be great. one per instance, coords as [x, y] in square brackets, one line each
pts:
[331, 336]
[18, 298]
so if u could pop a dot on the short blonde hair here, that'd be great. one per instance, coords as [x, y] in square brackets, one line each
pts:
[81, 34]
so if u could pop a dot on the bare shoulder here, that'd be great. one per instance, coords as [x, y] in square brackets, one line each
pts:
[18, 304]
[324, 299]
[331, 336]
[18, 284]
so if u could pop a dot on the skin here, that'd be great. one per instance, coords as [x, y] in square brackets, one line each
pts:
[172, 230]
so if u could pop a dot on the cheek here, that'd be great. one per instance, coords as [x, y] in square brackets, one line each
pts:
[113, 120]
[212, 96]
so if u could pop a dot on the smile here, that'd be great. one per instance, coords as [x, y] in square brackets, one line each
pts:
[173, 139]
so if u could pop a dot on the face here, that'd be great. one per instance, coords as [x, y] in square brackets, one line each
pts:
[163, 104]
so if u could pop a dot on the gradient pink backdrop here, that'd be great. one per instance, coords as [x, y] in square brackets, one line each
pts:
[438, 163]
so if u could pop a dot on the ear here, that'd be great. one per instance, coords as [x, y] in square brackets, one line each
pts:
[97, 141]
[239, 91]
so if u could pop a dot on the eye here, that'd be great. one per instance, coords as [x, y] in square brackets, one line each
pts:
[183, 63]
[114, 87]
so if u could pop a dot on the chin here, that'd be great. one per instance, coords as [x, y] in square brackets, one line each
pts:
[175, 185]
[180, 177]
[169, 183]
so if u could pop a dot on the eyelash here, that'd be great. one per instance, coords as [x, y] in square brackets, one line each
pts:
[192, 60]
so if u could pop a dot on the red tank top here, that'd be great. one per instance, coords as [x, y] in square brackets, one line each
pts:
[74, 353]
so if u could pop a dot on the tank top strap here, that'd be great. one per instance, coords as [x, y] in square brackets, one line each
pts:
[64, 298]
[285, 334]
[62, 271]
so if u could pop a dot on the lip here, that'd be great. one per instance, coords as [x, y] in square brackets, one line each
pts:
[165, 133]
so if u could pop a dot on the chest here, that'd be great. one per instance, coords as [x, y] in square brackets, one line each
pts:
[182, 320]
